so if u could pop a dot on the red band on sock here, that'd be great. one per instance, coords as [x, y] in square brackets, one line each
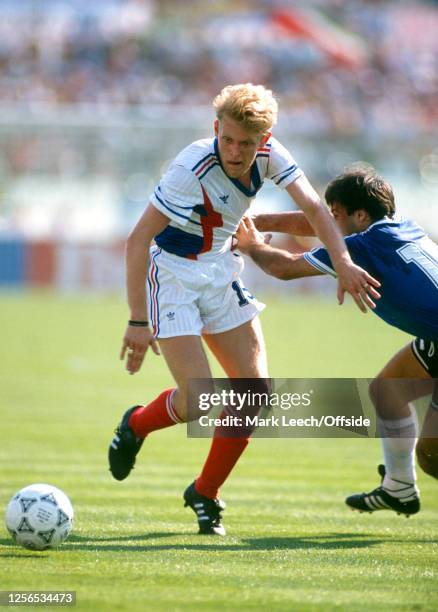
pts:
[156, 415]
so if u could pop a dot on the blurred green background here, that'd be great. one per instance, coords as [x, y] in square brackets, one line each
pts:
[291, 544]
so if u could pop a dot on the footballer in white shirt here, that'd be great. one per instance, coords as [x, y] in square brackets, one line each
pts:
[182, 245]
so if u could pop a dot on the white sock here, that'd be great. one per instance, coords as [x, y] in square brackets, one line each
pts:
[399, 437]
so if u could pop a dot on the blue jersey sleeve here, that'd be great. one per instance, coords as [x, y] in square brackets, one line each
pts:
[320, 259]
[397, 253]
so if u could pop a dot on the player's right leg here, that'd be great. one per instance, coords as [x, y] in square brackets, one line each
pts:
[402, 380]
[177, 325]
[427, 445]
[426, 352]
[166, 410]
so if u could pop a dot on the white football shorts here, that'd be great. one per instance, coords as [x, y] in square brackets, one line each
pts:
[192, 297]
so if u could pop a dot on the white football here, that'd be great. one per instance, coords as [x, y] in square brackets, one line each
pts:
[39, 516]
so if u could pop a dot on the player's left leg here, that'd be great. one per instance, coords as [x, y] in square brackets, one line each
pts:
[242, 354]
[241, 351]
[402, 380]
[427, 445]
[426, 352]
[233, 333]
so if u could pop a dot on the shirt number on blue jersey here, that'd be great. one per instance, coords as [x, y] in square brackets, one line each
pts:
[412, 253]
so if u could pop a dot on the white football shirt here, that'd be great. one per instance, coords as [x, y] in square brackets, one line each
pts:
[205, 205]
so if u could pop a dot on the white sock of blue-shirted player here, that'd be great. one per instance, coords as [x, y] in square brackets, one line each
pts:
[399, 437]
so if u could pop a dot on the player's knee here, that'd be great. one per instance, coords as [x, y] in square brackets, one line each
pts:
[180, 404]
[427, 456]
[374, 391]
[385, 396]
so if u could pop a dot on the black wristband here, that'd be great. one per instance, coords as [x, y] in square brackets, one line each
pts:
[132, 323]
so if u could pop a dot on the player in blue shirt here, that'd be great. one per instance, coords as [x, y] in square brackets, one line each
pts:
[401, 256]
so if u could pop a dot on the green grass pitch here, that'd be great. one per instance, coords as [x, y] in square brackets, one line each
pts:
[292, 543]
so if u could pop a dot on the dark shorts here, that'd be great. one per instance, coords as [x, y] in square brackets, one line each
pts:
[426, 352]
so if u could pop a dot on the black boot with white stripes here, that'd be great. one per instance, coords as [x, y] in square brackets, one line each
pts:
[406, 502]
[123, 448]
[208, 511]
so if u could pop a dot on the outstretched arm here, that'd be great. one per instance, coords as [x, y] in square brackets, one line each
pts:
[291, 222]
[351, 278]
[276, 262]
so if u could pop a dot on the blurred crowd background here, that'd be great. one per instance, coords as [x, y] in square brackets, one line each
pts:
[338, 66]
[97, 97]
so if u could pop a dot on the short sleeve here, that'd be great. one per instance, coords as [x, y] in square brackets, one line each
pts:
[177, 193]
[283, 169]
[320, 259]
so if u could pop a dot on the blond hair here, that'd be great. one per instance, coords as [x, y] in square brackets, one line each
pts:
[253, 106]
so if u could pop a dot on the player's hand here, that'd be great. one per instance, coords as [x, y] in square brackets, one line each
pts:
[248, 236]
[359, 284]
[136, 342]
